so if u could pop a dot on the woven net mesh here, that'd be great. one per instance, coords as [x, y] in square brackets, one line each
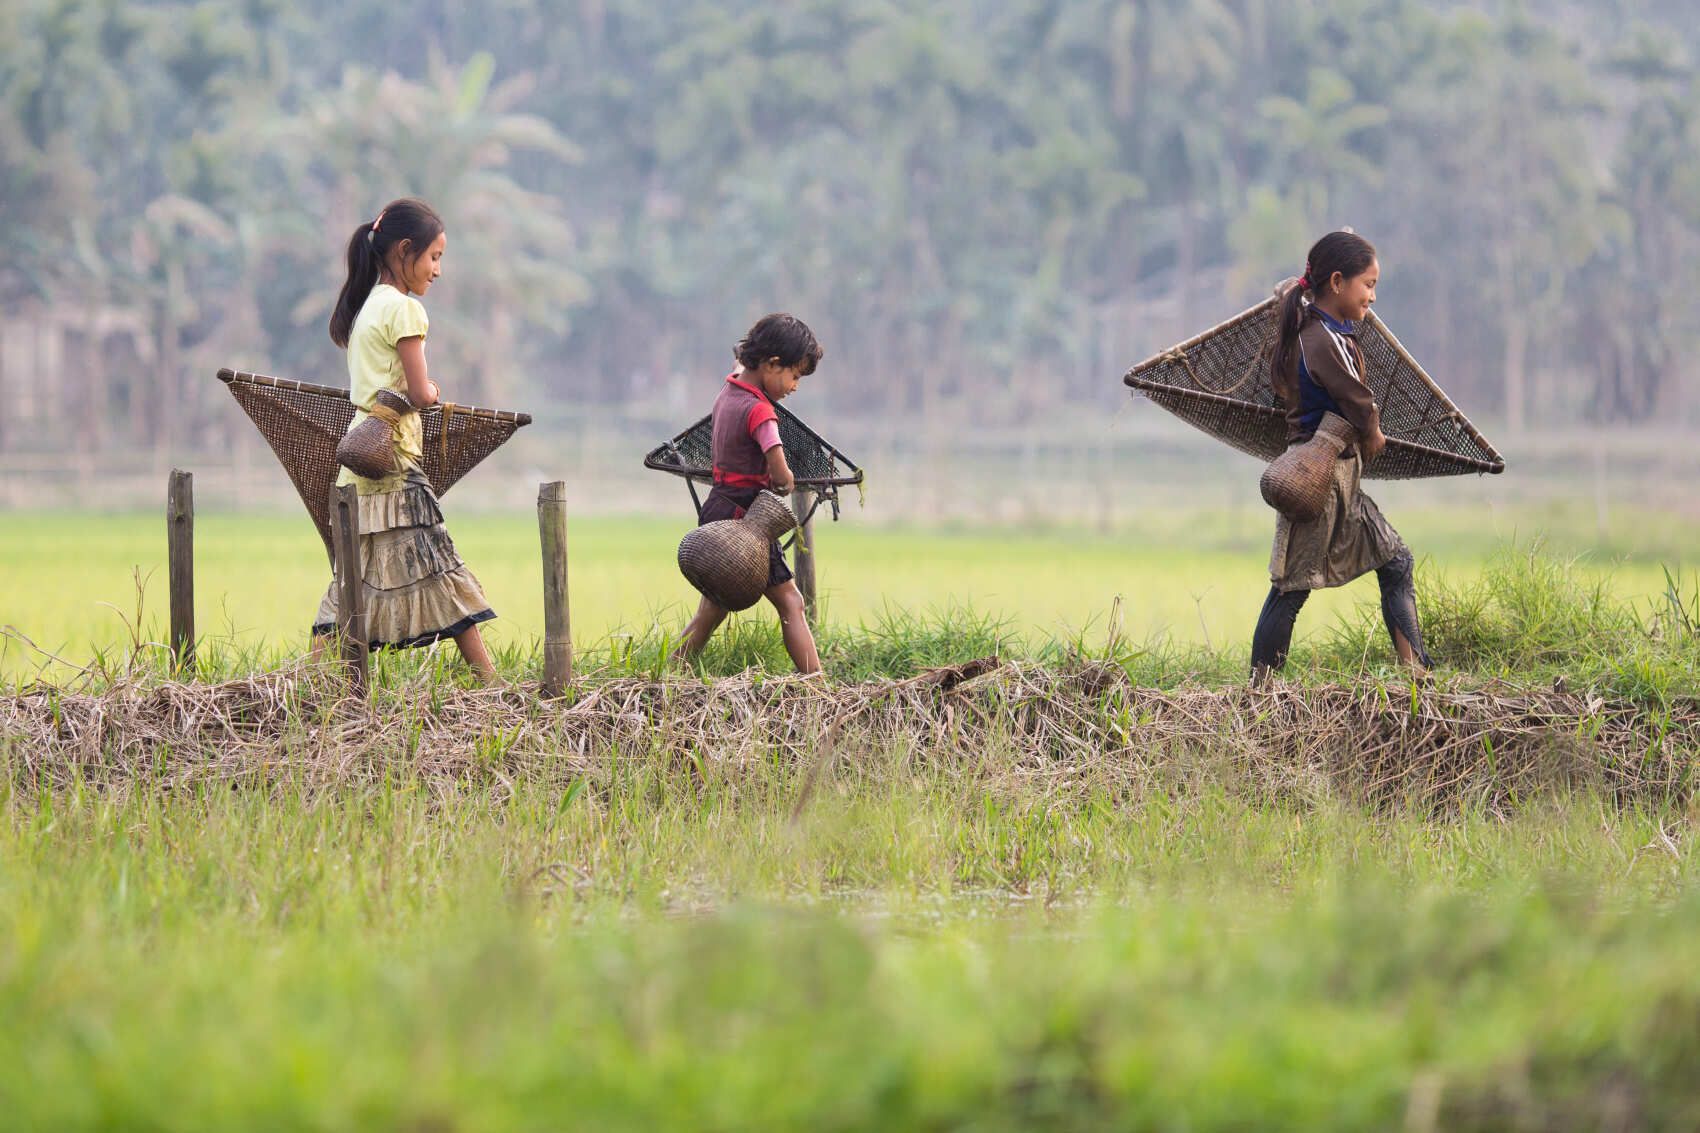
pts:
[1219, 383]
[303, 423]
[813, 462]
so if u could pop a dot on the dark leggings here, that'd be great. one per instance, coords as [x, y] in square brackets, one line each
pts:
[1274, 633]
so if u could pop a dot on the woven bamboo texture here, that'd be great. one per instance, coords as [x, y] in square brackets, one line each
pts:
[1299, 481]
[727, 559]
[815, 463]
[1219, 382]
[303, 423]
[368, 449]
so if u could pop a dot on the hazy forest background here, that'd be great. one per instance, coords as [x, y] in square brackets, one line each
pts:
[988, 210]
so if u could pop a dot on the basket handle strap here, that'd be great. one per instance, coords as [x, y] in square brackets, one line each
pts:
[384, 413]
[443, 441]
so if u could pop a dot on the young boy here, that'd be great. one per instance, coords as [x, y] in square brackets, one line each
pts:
[776, 353]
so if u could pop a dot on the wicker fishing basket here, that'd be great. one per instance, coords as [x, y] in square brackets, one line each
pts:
[1299, 481]
[727, 560]
[368, 449]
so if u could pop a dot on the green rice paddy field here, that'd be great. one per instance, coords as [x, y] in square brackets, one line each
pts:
[71, 584]
[940, 940]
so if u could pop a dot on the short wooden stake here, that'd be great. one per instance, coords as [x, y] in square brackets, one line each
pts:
[803, 551]
[557, 626]
[180, 539]
[351, 590]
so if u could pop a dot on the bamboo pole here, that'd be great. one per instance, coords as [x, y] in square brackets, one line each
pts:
[245, 377]
[803, 551]
[557, 625]
[180, 542]
[1260, 311]
[1156, 391]
[351, 590]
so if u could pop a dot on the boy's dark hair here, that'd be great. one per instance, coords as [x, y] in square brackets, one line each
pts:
[1343, 252]
[780, 336]
[407, 218]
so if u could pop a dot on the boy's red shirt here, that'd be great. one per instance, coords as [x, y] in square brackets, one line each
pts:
[738, 412]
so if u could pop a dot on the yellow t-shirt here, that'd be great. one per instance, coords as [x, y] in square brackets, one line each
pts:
[385, 319]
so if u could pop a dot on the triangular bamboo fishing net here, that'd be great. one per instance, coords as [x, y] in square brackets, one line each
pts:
[303, 424]
[1219, 382]
[814, 462]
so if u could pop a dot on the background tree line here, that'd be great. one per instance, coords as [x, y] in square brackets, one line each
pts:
[983, 205]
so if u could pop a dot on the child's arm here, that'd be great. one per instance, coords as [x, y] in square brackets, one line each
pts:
[764, 429]
[421, 390]
[778, 471]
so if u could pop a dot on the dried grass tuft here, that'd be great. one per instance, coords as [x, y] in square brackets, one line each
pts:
[1054, 730]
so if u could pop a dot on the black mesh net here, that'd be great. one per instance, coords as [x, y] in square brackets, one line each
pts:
[814, 463]
[1219, 382]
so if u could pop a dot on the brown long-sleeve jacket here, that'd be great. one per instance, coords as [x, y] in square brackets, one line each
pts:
[1326, 373]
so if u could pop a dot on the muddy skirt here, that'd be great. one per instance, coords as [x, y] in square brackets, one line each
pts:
[1349, 539]
[417, 589]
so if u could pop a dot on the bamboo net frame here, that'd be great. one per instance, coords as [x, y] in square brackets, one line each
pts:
[303, 423]
[1218, 382]
[817, 466]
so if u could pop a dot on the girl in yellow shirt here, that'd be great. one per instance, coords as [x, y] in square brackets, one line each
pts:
[417, 589]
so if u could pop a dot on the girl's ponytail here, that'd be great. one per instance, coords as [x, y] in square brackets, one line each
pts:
[1344, 252]
[406, 219]
[362, 277]
[1289, 315]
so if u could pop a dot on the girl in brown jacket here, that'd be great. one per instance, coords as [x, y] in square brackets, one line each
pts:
[1317, 369]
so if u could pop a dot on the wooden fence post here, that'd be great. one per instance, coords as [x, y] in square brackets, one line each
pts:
[180, 541]
[351, 590]
[557, 626]
[803, 551]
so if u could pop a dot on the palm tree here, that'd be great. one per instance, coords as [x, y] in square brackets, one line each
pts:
[1317, 141]
[452, 140]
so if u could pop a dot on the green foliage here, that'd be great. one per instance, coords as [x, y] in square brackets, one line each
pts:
[1533, 619]
[966, 198]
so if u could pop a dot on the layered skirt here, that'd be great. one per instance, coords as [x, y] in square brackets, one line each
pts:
[417, 589]
[1348, 539]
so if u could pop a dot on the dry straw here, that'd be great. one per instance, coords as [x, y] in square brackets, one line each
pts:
[1055, 730]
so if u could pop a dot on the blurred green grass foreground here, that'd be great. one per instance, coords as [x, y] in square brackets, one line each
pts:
[675, 953]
